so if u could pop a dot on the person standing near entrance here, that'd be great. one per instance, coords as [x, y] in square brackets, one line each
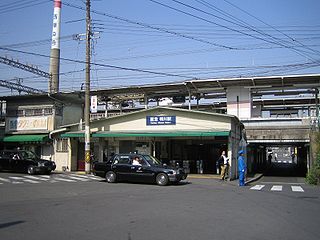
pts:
[224, 162]
[241, 168]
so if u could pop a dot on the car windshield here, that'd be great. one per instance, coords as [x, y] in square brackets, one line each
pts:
[152, 160]
[28, 155]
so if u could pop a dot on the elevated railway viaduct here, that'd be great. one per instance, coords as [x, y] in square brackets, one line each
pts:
[278, 112]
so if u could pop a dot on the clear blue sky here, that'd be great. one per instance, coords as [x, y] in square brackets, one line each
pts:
[211, 39]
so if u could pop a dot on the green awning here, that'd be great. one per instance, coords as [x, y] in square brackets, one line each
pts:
[73, 134]
[27, 138]
[106, 134]
[163, 134]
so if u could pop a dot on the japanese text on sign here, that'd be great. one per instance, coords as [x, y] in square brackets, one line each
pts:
[161, 120]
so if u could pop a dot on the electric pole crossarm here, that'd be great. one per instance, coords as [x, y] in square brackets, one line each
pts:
[18, 87]
[25, 67]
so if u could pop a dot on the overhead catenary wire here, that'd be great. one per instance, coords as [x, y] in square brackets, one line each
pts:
[99, 64]
[224, 26]
[298, 66]
[283, 41]
[21, 5]
[153, 27]
[276, 29]
[134, 54]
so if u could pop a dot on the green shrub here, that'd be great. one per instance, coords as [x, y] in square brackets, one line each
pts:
[313, 176]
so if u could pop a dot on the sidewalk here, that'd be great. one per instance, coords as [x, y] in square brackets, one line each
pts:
[250, 178]
[204, 176]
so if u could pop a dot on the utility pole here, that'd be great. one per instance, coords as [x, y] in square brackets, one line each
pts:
[87, 91]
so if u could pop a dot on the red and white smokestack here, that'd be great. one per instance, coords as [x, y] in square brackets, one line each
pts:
[55, 49]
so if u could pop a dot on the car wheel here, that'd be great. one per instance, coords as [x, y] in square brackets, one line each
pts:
[162, 179]
[111, 177]
[30, 170]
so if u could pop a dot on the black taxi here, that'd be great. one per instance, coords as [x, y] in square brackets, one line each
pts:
[138, 168]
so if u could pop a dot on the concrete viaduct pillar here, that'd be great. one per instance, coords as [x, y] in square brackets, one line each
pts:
[239, 102]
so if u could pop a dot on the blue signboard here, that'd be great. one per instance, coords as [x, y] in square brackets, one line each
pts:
[161, 120]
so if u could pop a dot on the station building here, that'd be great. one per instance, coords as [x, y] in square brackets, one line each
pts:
[193, 139]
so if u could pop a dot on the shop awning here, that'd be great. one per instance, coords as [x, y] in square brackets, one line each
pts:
[163, 134]
[26, 138]
[106, 134]
[73, 134]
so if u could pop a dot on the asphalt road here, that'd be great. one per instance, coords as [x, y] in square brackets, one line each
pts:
[197, 209]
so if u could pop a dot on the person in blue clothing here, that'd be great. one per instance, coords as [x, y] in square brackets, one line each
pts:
[241, 168]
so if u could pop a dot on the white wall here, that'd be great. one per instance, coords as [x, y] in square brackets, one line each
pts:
[184, 121]
[239, 102]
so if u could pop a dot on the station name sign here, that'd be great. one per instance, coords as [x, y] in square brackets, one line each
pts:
[161, 120]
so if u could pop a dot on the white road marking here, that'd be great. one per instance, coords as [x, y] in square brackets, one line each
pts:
[257, 187]
[64, 179]
[44, 176]
[80, 179]
[16, 178]
[37, 178]
[5, 180]
[86, 176]
[297, 189]
[77, 175]
[277, 188]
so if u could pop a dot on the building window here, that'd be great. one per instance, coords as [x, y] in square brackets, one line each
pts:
[62, 145]
[29, 112]
[33, 112]
[20, 113]
[37, 112]
[47, 111]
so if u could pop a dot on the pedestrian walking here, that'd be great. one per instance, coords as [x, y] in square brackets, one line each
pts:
[224, 163]
[241, 168]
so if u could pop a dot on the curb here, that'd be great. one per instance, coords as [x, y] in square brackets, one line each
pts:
[254, 179]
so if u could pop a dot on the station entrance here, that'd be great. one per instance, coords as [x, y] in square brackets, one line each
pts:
[196, 156]
[280, 159]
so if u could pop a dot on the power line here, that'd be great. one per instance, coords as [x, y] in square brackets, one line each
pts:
[101, 65]
[20, 88]
[224, 26]
[25, 67]
[38, 42]
[14, 6]
[292, 39]
[152, 27]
